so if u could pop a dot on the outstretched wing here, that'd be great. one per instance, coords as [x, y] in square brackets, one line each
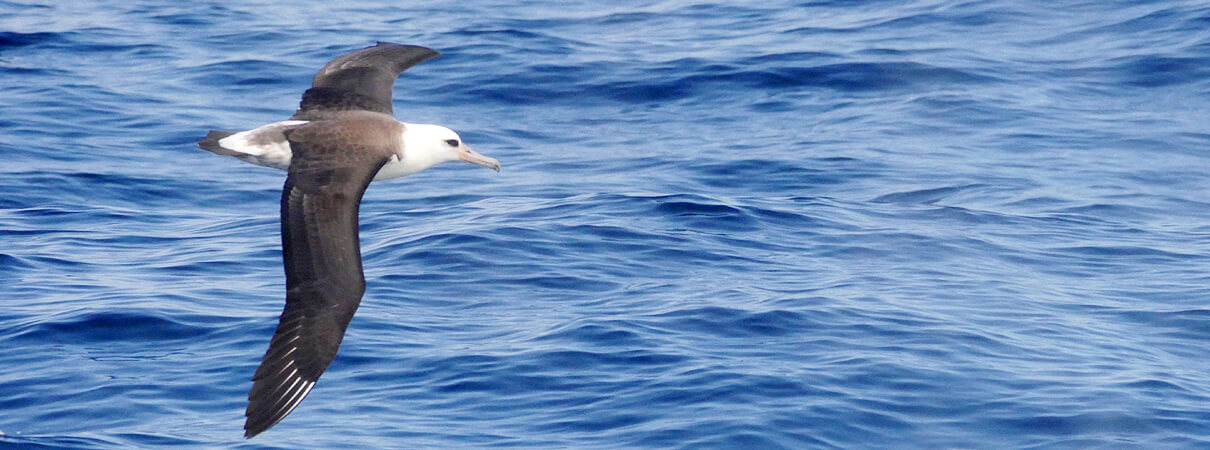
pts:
[324, 280]
[360, 80]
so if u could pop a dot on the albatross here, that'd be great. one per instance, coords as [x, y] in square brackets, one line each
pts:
[343, 136]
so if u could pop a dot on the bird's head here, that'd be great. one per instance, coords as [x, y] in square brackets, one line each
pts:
[427, 145]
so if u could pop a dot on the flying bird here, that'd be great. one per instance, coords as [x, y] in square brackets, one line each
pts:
[343, 136]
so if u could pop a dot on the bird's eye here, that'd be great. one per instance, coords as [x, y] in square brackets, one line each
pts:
[452, 142]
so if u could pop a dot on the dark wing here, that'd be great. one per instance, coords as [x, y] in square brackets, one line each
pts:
[324, 280]
[361, 80]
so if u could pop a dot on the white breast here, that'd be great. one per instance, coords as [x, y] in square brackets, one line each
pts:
[396, 168]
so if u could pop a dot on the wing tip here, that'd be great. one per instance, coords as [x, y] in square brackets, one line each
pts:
[262, 416]
[434, 53]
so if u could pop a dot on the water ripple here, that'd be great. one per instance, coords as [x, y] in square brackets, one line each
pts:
[803, 224]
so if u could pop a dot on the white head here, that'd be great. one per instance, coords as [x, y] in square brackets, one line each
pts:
[427, 145]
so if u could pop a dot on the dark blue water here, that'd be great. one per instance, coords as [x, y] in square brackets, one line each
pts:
[805, 224]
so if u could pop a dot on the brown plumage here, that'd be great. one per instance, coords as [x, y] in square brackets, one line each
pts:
[334, 161]
[342, 137]
[361, 80]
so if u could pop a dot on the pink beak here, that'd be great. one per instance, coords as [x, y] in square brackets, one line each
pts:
[466, 154]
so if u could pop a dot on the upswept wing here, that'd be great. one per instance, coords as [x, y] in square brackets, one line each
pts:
[360, 80]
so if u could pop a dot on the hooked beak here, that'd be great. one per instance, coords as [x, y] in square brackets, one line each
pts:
[466, 154]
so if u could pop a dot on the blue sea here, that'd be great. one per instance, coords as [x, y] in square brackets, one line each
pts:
[782, 224]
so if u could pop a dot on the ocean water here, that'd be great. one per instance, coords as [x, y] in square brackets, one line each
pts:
[781, 224]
